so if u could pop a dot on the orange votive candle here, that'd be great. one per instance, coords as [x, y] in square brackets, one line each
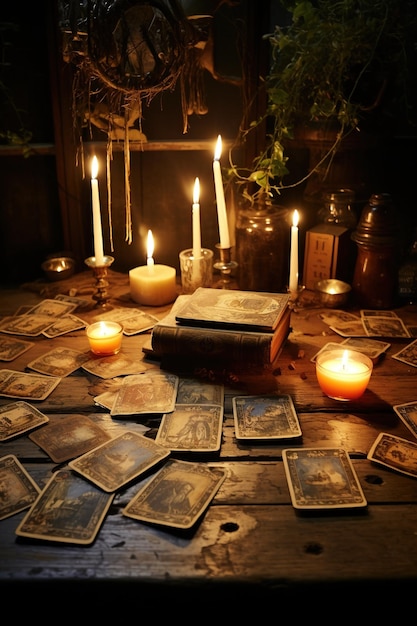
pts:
[105, 338]
[343, 374]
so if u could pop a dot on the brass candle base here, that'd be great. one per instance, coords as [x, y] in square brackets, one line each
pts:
[225, 265]
[101, 295]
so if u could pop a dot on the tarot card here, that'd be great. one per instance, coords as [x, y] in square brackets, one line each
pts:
[335, 317]
[69, 509]
[192, 428]
[396, 453]
[117, 314]
[52, 308]
[17, 488]
[64, 325]
[59, 362]
[11, 348]
[382, 326]
[374, 348]
[139, 322]
[146, 393]
[193, 391]
[177, 495]
[328, 346]
[378, 313]
[114, 365]
[28, 325]
[407, 413]
[27, 386]
[19, 417]
[350, 329]
[408, 354]
[119, 460]
[265, 417]
[65, 438]
[322, 478]
[80, 303]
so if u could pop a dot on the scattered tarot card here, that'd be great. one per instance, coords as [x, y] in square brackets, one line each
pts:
[65, 438]
[146, 393]
[11, 348]
[408, 354]
[59, 362]
[193, 391]
[177, 495]
[64, 325]
[328, 346]
[407, 413]
[27, 386]
[265, 417]
[28, 325]
[119, 460]
[396, 453]
[192, 428]
[114, 365]
[18, 489]
[52, 308]
[19, 417]
[69, 509]
[138, 323]
[336, 317]
[383, 324]
[80, 303]
[350, 329]
[374, 348]
[322, 478]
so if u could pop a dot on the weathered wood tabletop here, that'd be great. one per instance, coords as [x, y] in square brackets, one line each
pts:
[250, 544]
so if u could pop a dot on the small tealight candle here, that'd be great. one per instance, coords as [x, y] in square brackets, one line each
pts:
[105, 338]
[343, 374]
[153, 284]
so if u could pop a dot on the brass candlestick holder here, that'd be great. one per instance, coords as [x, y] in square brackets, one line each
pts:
[100, 273]
[225, 265]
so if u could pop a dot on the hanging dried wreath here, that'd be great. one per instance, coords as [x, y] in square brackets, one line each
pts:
[125, 53]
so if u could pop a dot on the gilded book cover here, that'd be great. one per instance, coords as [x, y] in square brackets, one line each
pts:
[231, 309]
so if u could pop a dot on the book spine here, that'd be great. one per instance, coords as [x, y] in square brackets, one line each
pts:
[212, 345]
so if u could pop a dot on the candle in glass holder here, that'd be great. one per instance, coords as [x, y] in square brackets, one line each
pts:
[105, 338]
[343, 374]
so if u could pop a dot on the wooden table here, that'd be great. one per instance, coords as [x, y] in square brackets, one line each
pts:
[251, 547]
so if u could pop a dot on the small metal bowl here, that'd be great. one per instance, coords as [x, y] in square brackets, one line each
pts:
[58, 268]
[333, 293]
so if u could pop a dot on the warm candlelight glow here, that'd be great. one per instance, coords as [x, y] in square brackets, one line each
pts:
[221, 204]
[293, 282]
[196, 223]
[95, 200]
[105, 338]
[150, 245]
[196, 191]
[343, 375]
[94, 167]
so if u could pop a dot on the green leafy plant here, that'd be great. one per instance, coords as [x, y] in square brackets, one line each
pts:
[346, 64]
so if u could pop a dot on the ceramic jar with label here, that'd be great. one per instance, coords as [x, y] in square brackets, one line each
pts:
[375, 279]
[262, 248]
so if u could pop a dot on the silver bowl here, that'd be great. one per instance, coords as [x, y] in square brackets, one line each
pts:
[58, 268]
[333, 293]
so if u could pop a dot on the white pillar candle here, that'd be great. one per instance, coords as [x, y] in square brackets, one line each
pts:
[196, 220]
[152, 284]
[221, 204]
[95, 198]
[293, 282]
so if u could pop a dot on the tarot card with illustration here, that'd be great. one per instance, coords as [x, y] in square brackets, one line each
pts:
[407, 413]
[194, 391]
[265, 417]
[52, 308]
[69, 509]
[322, 478]
[65, 438]
[192, 428]
[79, 303]
[395, 453]
[11, 348]
[64, 325]
[18, 490]
[27, 325]
[114, 365]
[408, 354]
[335, 317]
[349, 329]
[120, 460]
[146, 393]
[374, 350]
[27, 386]
[59, 362]
[177, 495]
[386, 324]
[19, 417]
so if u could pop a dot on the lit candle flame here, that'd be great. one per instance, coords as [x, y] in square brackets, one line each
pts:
[218, 149]
[94, 167]
[345, 360]
[150, 249]
[295, 218]
[196, 192]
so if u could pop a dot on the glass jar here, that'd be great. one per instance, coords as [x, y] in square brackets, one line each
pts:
[262, 248]
[337, 208]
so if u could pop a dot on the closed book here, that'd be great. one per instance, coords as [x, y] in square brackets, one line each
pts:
[240, 348]
[233, 310]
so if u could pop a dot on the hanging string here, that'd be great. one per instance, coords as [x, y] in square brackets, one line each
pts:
[126, 149]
